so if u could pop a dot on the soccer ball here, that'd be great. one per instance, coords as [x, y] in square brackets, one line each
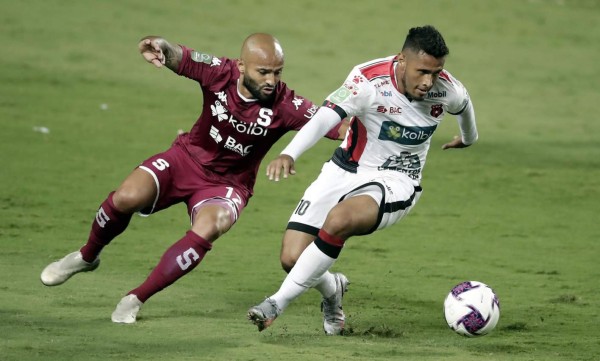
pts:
[472, 309]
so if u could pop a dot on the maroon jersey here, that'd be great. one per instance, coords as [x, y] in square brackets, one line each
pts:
[233, 134]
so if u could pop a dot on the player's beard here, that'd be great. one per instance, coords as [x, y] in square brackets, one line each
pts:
[255, 90]
[406, 92]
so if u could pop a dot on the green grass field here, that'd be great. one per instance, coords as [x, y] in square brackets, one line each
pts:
[518, 211]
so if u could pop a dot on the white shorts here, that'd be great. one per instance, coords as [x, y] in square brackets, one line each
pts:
[395, 193]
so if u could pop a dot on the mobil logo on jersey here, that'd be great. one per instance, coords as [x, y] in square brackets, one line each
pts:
[405, 135]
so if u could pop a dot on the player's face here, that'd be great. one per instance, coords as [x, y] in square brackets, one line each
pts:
[417, 72]
[260, 78]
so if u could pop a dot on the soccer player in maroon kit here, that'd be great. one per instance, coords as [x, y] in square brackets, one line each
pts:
[246, 109]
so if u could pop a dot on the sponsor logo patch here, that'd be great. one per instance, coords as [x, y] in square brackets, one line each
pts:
[239, 148]
[405, 135]
[340, 95]
[202, 58]
[441, 94]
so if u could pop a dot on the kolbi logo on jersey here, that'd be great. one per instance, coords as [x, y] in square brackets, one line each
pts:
[405, 135]
[259, 128]
[247, 128]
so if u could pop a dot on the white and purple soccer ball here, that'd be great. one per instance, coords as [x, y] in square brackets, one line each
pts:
[472, 309]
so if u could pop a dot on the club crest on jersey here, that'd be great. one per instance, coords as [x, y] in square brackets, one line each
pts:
[436, 110]
[405, 135]
[219, 111]
[201, 57]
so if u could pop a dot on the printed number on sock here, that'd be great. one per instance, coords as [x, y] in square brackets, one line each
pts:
[102, 217]
[160, 164]
[189, 256]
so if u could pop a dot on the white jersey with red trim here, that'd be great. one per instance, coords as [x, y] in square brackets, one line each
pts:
[389, 131]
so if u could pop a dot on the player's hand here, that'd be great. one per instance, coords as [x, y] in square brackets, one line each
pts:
[151, 51]
[455, 143]
[285, 162]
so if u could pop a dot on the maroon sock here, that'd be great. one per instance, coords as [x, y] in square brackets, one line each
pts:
[108, 224]
[177, 261]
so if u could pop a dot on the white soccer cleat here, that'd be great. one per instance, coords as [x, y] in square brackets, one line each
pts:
[127, 310]
[333, 315]
[59, 272]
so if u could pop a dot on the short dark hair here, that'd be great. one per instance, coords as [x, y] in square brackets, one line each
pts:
[428, 39]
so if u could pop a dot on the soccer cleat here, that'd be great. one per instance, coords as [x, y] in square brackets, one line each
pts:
[59, 272]
[264, 314]
[127, 309]
[333, 315]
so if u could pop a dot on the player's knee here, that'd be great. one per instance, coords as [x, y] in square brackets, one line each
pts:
[340, 223]
[222, 221]
[288, 261]
[127, 200]
[211, 222]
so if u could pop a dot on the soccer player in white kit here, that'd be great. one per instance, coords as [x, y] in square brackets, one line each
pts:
[373, 178]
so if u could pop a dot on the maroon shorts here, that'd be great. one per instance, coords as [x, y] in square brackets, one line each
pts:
[179, 179]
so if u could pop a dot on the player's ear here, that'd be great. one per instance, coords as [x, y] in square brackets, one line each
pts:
[240, 65]
[401, 58]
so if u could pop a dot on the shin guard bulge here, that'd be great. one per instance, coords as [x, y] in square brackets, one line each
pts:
[177, 261]
[107, 225]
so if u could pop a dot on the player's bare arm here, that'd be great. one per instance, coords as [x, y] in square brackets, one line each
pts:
[159, 52]
[343, 128]
[282, 162]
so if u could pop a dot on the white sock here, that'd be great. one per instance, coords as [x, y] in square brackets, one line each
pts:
[306, 273]
[326, 285]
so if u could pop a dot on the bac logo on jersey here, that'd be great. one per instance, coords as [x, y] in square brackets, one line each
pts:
[405, 135]
[233, 145]
[392, 110]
